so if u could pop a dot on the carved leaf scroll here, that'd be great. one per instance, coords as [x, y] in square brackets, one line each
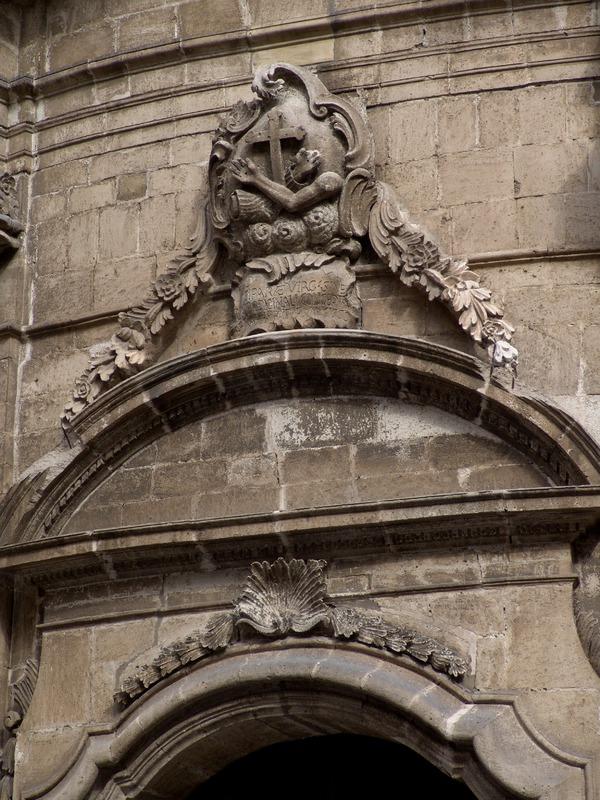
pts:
[284, 598]
[21, 694]
[10, 227]
[418, 262]
[130, 347]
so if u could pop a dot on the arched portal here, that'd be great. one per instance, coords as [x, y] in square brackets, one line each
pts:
[336, 767]
[188, 728]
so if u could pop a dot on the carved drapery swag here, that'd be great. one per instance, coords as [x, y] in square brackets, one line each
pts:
[10, 227]
[287, 598]
[293, 200]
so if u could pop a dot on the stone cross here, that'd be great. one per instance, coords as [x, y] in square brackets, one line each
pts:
[274, 133]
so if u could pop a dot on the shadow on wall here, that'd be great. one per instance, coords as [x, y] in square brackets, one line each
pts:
[342, 767]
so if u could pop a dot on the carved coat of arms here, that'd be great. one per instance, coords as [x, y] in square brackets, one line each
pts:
[293, 201]
[282, 173]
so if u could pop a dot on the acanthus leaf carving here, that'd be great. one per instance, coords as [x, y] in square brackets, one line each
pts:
[288, 598]
[419, 262]
[130, 347]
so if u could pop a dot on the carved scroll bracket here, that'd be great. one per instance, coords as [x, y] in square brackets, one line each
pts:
[10, 227]
[288, 598]
[21, 693]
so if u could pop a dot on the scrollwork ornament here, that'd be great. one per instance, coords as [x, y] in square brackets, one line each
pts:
[288, 598]
[10, 226]
[291, 178]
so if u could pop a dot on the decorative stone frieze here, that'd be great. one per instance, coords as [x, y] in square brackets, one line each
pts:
[10, 227]
[287, 598]
[293, 201]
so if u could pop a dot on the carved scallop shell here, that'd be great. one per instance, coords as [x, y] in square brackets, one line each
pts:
[284, 596]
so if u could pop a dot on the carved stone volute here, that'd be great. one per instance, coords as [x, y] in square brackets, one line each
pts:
[10, 227]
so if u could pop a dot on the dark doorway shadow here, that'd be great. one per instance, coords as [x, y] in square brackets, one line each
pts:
[341, 767]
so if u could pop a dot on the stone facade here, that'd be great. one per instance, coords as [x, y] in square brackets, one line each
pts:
[433, 507]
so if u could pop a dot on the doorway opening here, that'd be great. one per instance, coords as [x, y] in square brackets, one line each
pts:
[335, 767]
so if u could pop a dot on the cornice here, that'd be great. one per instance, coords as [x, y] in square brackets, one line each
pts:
[338, 24]
[518, 517]
[500, 258]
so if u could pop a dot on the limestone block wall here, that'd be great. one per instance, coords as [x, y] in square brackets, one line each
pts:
[485, 119]
[303, 454]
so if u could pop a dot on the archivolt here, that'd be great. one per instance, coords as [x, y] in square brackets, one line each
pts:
[304, 363]
[178, 735]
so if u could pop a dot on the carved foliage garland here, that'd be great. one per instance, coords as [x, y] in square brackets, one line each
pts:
[418, 262]
[292, 201]
[130, 348]
[287, 598]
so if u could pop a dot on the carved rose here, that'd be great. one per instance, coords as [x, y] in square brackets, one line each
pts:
[7, 183]
[83, 389]
[420, 255]
[495, 329]
[169, 287]
[259, 238]
[289, 235]
[322, 222]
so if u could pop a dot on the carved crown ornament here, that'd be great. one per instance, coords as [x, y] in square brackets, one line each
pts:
[288, 598]
[10, 227]
[292, 202]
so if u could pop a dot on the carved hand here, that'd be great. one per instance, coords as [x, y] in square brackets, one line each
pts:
[304, 164]
[244, 169]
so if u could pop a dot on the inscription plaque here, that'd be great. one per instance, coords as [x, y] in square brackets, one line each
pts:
[321, 297]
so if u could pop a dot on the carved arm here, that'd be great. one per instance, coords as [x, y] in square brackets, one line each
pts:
[325, 185]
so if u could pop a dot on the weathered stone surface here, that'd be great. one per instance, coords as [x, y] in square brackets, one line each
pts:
[485, 122]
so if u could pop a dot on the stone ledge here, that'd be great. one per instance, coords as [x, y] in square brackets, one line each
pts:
[27, 333]
[520, 516]
[344, 22]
